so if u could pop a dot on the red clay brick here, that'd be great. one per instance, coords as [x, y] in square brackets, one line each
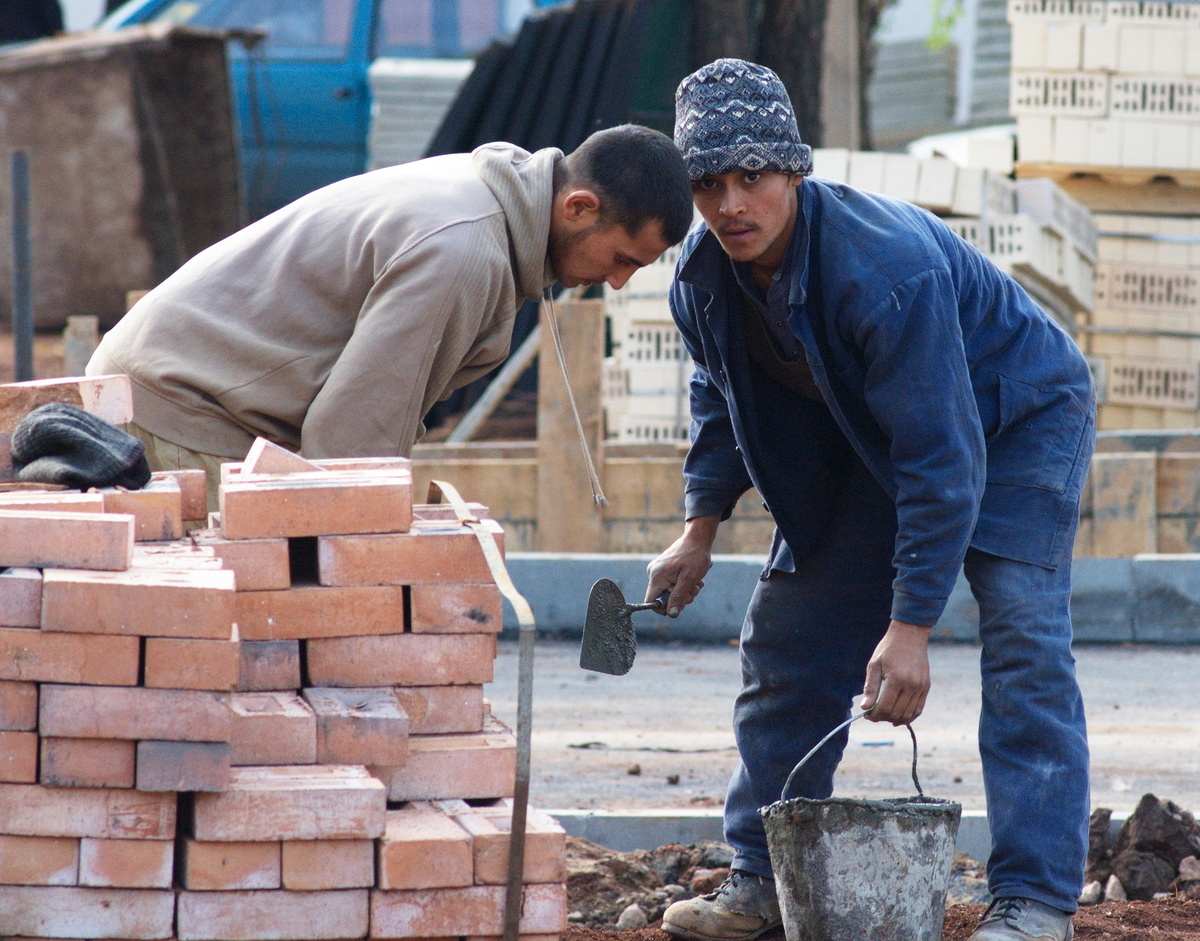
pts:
[19, 757]
[180, 554]
[134, 713]
[149, 602]
[315, 802]
[475, 910]
[18, 706]
[434, 710]
[64, 501]
[192, 491]
[157, 509]
[187, 663]
[266, 457]
[316, 865]
[313, 611]
[423, 848]
[401, 659]
[456, 609]
[34, 810]
[259, 564]
[33, 539]
[182, 766]
[126, 864]
[227, 866]
[256, 507]
[79, 911]
[482, 765]
[49, 657]
[232, 470]
[269, 665]
[88, 762]
[545, 844]
[21, 598]
[39, 860]
[272, 728]
[430, 552]
[359, 726]
[107, 397]
[250, 916]
[444, 512]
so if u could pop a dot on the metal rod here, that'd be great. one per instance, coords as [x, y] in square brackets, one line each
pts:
[22, 283]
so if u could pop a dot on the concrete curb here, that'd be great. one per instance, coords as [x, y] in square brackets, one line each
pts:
[1150, 599]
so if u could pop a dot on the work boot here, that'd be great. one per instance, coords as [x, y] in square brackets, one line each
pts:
[1023, 920]
[743, 907]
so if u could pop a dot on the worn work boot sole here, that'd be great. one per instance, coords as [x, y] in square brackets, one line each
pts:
[742, 908]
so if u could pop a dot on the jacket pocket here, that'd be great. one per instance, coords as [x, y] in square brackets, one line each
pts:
[1038, 436]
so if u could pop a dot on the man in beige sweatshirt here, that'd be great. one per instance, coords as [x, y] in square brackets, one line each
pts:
[333, 325]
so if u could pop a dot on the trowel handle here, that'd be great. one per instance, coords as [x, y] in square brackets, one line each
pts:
[658, 604]
[787, 785]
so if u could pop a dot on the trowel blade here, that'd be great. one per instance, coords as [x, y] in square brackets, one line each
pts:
[609, 645]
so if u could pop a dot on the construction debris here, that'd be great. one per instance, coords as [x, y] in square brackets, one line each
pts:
[1155, 852]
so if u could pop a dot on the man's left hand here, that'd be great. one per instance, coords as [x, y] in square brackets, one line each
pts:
[898, 675]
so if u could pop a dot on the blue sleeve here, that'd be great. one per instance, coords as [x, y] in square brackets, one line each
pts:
[714, 474]
[918, 389]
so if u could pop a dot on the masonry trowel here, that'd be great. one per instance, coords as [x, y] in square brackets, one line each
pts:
[609, 644]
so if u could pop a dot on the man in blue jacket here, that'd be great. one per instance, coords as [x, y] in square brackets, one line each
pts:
[905, 411]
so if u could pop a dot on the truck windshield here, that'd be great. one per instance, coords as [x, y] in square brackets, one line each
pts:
[316, 28]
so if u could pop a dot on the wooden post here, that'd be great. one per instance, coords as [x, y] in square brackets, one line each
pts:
[567, 518]
[80, 339]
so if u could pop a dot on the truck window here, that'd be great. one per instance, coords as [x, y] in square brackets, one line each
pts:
[446, 28]
[303, 28]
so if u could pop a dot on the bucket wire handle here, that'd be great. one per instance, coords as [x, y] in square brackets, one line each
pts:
[812, 751]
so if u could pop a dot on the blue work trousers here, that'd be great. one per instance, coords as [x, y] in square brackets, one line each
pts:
[805, 644]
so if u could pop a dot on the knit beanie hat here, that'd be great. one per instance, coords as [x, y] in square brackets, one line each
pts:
[736, 115]
[62, 444]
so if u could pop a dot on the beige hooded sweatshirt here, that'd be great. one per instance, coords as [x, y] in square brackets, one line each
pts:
[333, 325]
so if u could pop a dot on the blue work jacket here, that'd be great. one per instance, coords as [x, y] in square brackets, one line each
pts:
[971, 407]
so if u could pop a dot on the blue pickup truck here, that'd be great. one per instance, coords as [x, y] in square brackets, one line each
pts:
[301, 90]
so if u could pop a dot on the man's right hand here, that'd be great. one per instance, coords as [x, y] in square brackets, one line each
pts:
[682, 567]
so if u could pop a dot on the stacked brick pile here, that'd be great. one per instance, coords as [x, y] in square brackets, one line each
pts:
[271, 728]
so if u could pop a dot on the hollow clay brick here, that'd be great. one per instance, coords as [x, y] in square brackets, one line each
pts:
[429, 552]
[401, 659]
[88, 762]
[317, 865]
[481, 765]
[85, 912]
[52, 657]
[250, 916]
[434, 710]
[227, 866]
[545, 844]
[475, 910]
[272, 728]
[182, 766]
[259, 564]
[21, 598]
[19, 757]
[126, 864]
[316, 505]
[456, 609]
[149, 602]
[18, 706]
[157, 509]
[192, 491]
[314, 802]
[39, 860]
[188, 663]
[423, 848]
[34, 810]
[359, 726]
[313, 611]
[44, 539]
[269, 665]
[134, 713]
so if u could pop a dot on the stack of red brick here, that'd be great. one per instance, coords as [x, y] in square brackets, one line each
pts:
[273, 728]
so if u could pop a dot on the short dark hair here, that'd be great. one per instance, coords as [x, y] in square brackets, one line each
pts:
[639, 175]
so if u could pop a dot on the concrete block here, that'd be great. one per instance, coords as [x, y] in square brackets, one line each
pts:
[1029, 44]
[481, 765]
[545, 844]
[1104, 145]
[313, 611]
[45, 539]
[994, 154]
[107, 397]
[968, 191]
[423, 848]
[272, 728]
[832, 163]
[157, 509]
[1102, 594]
[88, 762]
[266, 457]
[456, 609]
[901, 176]
[134, 713]
[476, 910]
[935, 188]
[272, 916]
[1172, 147]
[1167, 598]
[51, 657]
[258, 564]
[193, 493]
[1168, 50]
[1123, 504]
[316, 505]
[21, 598]
[319, 865]
[440, 709]
[83, 912]
[1035, 138]
[401, 660]
[359, 726]
[34, 810]
[228, 866]
[1139, 143]
[866, 170]
[182, 766]
[1064, 45]
[188, 663]
[430, 552]
[1099, 47]
[19, 757]
[38, 860]
[1071, 139]
[18, 706]
[269, 665]
[1134, 49]
[126, 864]
[319, 802]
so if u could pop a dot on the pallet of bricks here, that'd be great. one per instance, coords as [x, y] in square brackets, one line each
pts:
[1107, 99]
[272, 727]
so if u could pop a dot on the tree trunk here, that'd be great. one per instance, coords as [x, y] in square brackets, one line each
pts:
[722, 28]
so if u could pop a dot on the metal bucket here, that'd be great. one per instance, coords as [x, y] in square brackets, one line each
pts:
[847, 870]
